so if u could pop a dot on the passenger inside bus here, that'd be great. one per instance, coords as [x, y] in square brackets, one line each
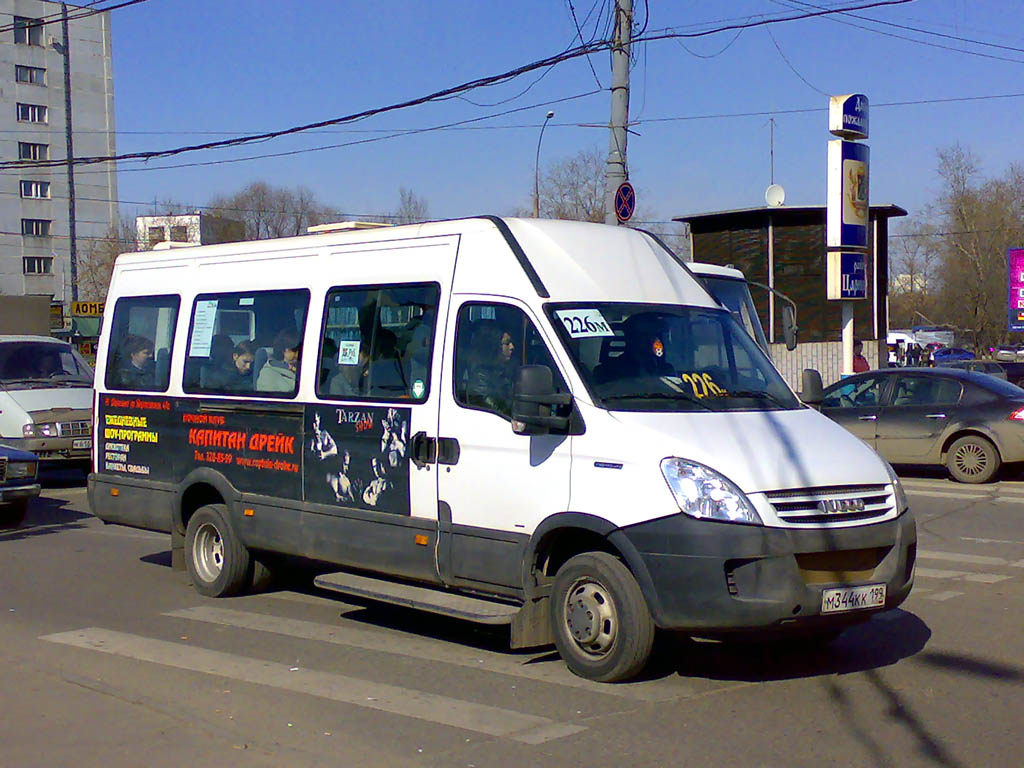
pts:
[135, 366]
[491, 368]
[233, 374]
[280, 373]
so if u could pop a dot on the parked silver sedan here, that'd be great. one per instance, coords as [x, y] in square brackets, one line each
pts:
[969, 422]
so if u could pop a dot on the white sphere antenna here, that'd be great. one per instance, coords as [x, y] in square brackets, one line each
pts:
[775, 195]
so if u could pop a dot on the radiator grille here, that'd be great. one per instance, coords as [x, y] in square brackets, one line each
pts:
[74, 428]
[3, 469]
[831, 504]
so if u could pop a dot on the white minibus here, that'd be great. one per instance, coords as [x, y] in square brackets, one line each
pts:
[544, 424]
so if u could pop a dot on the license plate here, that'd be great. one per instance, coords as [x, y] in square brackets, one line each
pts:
[852, 598]
[85, 442]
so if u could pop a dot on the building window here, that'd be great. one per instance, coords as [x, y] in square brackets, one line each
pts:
[28, 31]
[30, 75]
[38, 265]
[35, 190]
[179, 234]
[156, 235]
[36, 227]
[32, 113]
[29, 151]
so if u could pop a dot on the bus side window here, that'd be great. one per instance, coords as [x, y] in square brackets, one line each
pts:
[141, 342]
[246, 343]
[377, 343]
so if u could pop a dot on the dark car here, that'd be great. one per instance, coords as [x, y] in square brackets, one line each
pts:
[991, 367]
[948, 354]
[19, 482]
[970, 422]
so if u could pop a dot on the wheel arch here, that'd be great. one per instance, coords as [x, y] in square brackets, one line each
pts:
[976, 431]
[200, 487]
[567, 534]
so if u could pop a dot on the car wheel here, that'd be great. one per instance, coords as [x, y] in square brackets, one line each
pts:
[602, 627]
[12, 515]
[220, 566]
[972, 459]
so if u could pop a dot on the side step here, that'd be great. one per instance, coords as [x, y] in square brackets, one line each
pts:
[475, 609]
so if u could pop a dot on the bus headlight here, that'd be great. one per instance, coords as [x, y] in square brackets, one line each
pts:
[703, 493]
[39, 430]
[901, 495]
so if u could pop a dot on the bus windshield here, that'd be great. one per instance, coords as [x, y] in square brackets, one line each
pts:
[655, 357]
[734, 295]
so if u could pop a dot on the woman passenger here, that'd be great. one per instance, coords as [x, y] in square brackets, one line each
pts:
[280, 373]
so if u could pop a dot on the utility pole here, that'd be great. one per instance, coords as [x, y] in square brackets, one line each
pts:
[615, 173]
[65, 49]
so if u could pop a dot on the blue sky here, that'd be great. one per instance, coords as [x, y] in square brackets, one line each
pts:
[188, 71]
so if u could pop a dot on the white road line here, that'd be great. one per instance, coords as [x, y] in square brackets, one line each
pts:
[434, 650]
[982, 578]
[1009, 500]
[923, 554]
[942, 596]
[947, 495]
[991, 541]
[443, 710]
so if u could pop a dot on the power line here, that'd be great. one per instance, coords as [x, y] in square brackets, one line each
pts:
[445, 93]
[55, 18]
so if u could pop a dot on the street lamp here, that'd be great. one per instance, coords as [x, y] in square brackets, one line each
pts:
[536, 167]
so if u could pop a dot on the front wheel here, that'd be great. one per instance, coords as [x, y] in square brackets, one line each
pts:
[972, 459]
[219, 564]
[602, 627]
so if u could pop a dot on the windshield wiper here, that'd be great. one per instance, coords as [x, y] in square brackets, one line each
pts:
[659, 396]
[757, 393]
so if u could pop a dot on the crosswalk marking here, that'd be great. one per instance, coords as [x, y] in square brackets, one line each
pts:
[507, 664]
[470, 716]
[956, 557]
[983, 578]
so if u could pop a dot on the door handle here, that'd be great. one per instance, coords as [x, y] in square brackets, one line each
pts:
[935, 415]
[448, 450]
[867, 418]
[423, 449]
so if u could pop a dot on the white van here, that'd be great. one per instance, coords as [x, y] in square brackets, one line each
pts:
[46, 400]
[545, 424]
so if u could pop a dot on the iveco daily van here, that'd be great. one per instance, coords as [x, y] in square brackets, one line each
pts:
[545, 424]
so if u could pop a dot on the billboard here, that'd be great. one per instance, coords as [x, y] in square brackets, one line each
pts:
[1015, 289]
[847, 221]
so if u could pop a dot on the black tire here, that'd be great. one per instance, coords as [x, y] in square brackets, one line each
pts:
[13, 514]
[602, 627]
[220, 566]
[972, 459]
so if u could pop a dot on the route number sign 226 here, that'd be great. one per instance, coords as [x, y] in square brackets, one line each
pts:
[584, 323]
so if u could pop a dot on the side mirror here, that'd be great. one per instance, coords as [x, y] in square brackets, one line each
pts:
[812, 390]
[789, 326]
[534, 402]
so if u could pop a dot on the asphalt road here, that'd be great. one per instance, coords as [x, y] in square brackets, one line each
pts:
[108, 658]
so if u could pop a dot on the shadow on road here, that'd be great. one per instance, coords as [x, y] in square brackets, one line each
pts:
[46, 515]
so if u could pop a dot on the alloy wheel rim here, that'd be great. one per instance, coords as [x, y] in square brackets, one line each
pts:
[971, 460]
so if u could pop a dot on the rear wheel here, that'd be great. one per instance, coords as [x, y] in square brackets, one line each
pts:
[602, 627]
[972, 459]
[219, 564]
[13, 514]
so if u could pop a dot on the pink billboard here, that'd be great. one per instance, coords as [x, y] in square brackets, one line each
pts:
[1015, 288]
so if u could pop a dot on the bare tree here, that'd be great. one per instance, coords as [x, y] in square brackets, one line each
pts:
[411, 209]
[573, 188]
[96, 262]
[269, 211]
[975, 222]
[914, 273]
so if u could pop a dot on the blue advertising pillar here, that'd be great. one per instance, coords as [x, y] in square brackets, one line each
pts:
[847, 220]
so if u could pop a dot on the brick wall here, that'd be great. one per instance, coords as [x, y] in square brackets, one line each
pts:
[824, 356]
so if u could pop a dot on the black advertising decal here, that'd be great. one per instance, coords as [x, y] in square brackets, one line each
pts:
[358, 457]
[165, 439]
[134, 436]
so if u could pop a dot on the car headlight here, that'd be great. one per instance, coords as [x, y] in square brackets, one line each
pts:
[39, 430]
[19, 470]
[901, 495]
[703, 493]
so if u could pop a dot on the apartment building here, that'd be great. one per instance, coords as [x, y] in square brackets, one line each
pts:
[34, 232]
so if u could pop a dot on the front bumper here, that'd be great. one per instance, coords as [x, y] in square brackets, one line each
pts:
[702, 576]
[18, 492]
[55, 450]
